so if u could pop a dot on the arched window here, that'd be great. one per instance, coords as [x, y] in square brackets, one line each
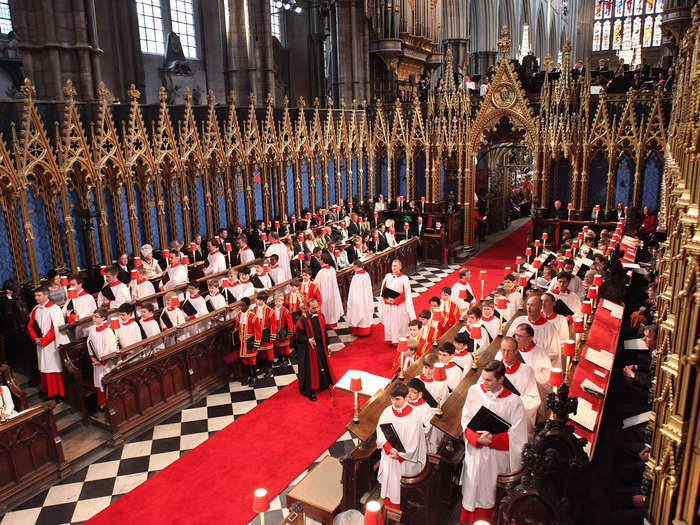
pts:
[605, 41]
[150, 26]
[182, 20]
[657, 31]
[629, 27]
[276, 21]
[157, 18]
[648, 31]
[5, 17]
[596, 36]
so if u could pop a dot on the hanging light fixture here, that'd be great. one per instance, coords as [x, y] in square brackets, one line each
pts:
[288, 5]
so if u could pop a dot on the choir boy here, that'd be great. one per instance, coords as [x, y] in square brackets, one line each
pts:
[437, 391]
[463, 356]
[101, 343]
[171, 316]
[229, 292]
[294, 300]
[216, 261]
[565, 295]
[476, 330]
[129, 332]
[114, 293]
[245, 287]
[327, 283]
[142, 287]
[576, 284]
[510, 284]
[44, 326]
[149, 324]
[416, 392]
[265, 325]
[415, 335]
[485, 454]
[80, 306]
[276, 273]
[260, 278]
[408, 427]
[285, 330]
[450, 310]
[245, 254]
[278, 254]
[396, 304]
[429, 330]
[308, 289]
[490, 318]
[245, 335]
[215, 299]
[454, 371]
[545, 333]
[175, 274]
[462, 293]
[360, 302]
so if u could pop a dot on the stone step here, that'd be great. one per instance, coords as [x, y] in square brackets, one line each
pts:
[68, 421]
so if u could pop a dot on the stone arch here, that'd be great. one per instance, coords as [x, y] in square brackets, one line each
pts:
[553, 41]
[538, 36]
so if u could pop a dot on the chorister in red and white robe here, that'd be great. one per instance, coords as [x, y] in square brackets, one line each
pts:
[514, 299]
[279, 249]
[309, 290]
[177, 275]
[246, 255]
[80, 307]
[284, 320]
[537, 359]
[101, 342]
[425, 413]
[575, 285]
[244, 288]
[150, 328]
[261, 280]
[331, 305]
[546, 334]
[450, 315]
[465, 359]
[523, 379]
[395, 317]
[121, 294]
[569, 298]
[277, 275]
[215, 301]
[562, 326]
[454, 372]
[409, 428]
[265, 326]
[482, 464]
[200, 307]
[216, 263]
[129, 332]
[438, 390]
[463, 296]
[49, 319]
[360, 304]
[143, 288]
[245, 323]
[491, 323]
[293, 301]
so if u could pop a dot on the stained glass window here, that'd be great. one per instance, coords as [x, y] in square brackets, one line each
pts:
[659, 6]
[636, 31]
[648, 30]
[605, 40]
[657, 31]
[617, 35]
[650, 6]
[619, 7]
[638, 5]
[598, 9]
[628, 7]
[5, 17]
[596, 36]
[627, 34]
[608, 8]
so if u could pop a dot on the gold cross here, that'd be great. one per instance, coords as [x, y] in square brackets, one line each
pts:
[505, 41]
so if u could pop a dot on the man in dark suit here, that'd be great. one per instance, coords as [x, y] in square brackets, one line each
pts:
[223, 235]
[578, 70]
[351, 252]
[644, 69]
[530, 63]
[383, 242]
[125, 268]
[417, 228]
[557, 211]
[315, 262]
[353, 226]
[618, 213]
[199, 253]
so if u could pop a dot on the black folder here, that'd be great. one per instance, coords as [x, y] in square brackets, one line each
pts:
[469, 297]
[107, 293]
[561, 308]
[257, 283]
[428, 397]
[392, 437]
[388, 293]
[188, 308]
[510, 386]
[210, 307]
[70, 306]
[165, 278]
[489, 421]
[37, 329]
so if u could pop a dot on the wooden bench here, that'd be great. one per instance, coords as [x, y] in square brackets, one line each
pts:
[320, 491]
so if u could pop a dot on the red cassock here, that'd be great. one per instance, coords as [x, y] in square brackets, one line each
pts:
[284, 321]
[450, 315]
[265, 326]
[310, 290]
[246, 332]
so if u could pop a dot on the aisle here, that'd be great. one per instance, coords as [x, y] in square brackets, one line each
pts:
[270, 445]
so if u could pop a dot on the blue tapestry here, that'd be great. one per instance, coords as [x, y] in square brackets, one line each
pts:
[125, 219]
[240, 201]
[80, 248]
[304, 185]
[419, 174]
[381, 174]
[141, 219]
[318, 177]
[353, 180]
[401, 173]
[95, 231]
[290, 190]
[6, 269]
[153, 213]
[563, 181]
[40, 226]
[331, 180]
[343, 174]
[442, 180]
[624, 180]
[598, 179]
[177, 210]
[109, 205]
[201, 207]
[651, 182]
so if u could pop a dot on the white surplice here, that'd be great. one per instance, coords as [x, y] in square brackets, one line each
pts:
[216, 263]
[121, 295]
[150, 328]
[395, 317]
[7, 404]
[360, 301]
[537, 359]
[50, 317]
[177, 274]
[483, 464]
[280, 250]
[331, 304]
[84, 306]
[546, 334]
[409, 428]
[438, 390]
[244, 289]
[458, 289]
[129, 333]
[523, 379]
[101, 342]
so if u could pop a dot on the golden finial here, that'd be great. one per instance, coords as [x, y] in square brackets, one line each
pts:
[342, 103]
[285, 101]
[103, 92]
[211, 99]
[548, 62]
[162, 94]
[231, 98]
[301, 103]
[28, 89]
[268, 99]
[397, 103]
[567, 47]
[134, 94]
[317, 102]
[505, 41]
[354, 104]
[69, 90]
[252, 99]
[187, 97]
[329, 102]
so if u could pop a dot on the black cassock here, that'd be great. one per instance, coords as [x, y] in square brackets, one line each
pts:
[314, 373]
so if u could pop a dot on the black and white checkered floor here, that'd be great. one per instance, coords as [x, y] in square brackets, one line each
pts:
[88, 491]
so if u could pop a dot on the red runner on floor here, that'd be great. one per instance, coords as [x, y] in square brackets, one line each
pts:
[273, 443]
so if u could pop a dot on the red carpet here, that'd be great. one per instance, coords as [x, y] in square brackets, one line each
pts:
[270, 445]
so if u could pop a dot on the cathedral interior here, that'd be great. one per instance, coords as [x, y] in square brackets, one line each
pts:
[156, 122]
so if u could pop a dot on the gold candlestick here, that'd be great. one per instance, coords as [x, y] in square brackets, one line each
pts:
[356, 415]
[439, 410]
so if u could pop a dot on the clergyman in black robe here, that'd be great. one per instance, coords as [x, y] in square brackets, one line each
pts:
[312, 351]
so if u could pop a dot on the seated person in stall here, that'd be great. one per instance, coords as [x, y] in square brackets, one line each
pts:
[428, 330]
[285, 331]
[171, 316]
[463, 355]
[149, 263]
[148, 323]
[142, 287]
[565, 295]
[245, 254]
[260, 278]
[575, 283]
[415, 334]
[478, 334]
[450, 310]
[229, 291]
[276, 273]
[561, 323]
[523, 381]
[79, 305]
[454, 371]
[513, 296]
[490, 318]
[194, 306]
[216, 261]
[545, 333]
[102, 348]
[175, 274]
[485, 454]
[549, 275]
[115, 292]
[130, 332]
[215, 299]
[407, 425]
[245, 287]
[462, 293]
